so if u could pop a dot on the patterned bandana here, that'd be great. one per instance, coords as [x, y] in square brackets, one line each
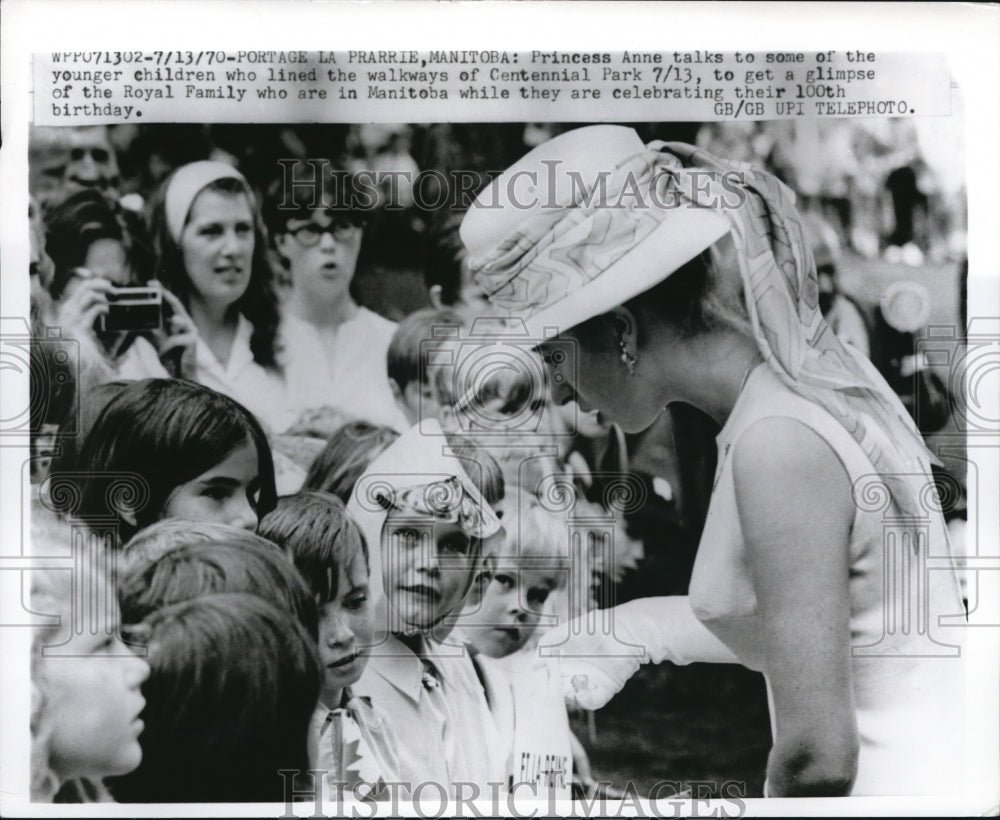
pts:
[559, 250]
[447, 501]
[417, 474]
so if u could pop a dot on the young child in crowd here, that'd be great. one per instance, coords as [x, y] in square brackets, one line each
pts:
[156, 540]
[422, 345]
[85, 685]
[230, 627]
[499, 629]
[346, 456]
[232, 686]
[168, 448]
[427, 520]
[350, 740]
[501, 402]
[165, 565]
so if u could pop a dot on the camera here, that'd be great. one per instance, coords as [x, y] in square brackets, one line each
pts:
[132, 308]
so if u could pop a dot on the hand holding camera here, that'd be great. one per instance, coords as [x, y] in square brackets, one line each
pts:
[98, 308]
[81, 309]
[175, 337]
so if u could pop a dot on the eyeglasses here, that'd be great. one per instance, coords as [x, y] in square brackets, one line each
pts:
[99, 155]
[341, 229]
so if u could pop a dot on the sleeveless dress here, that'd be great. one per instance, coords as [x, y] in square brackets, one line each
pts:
[907, 669]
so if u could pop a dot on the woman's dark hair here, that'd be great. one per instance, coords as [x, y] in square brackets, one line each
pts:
[259, 304]
[237, 561]
[703, 293]
[346, 456]
[304, 187]
[167, 432]
[72, 227]
[233, 683]
[315, 530]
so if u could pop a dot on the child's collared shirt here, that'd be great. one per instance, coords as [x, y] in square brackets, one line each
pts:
[354, 745]
[438, 712]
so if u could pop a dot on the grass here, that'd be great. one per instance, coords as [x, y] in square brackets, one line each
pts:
[701, 723]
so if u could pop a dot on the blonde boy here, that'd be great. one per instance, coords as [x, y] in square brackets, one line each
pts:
[500, 626]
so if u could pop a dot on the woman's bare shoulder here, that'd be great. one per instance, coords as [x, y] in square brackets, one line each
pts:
[782, 458]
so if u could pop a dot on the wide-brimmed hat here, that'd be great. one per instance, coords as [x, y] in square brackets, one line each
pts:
[581, 224]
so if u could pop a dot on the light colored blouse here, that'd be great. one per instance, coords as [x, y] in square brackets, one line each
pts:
[260, 389]
[907, 673]
[342, 367]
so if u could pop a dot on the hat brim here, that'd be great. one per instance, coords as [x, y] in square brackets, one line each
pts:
[680, 238]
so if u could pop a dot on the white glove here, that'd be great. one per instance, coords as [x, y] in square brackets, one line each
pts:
[600, 650]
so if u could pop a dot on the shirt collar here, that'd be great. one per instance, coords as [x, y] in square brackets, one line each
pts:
[398, 665]
[239, 356]
[358, 706]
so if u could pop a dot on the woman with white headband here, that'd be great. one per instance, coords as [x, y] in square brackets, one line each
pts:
[658, 274]
[210, 252]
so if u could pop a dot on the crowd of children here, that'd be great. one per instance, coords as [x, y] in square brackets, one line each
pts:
[343, 548]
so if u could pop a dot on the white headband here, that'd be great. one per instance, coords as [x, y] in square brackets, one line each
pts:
[187, 182]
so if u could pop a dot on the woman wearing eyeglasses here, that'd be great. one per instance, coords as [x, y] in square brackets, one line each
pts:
[210, 252]
[334, 350]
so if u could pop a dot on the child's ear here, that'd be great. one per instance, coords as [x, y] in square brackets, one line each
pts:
[128, 516]
[397, 394]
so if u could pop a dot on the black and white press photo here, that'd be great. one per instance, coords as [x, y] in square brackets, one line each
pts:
[499, 430]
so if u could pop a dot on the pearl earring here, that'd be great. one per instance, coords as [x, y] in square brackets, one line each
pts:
[627, 358]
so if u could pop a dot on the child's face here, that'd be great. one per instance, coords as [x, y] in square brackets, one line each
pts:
[420, 401]
[346, 630]
[225, 494]
[589, 424]
[510, 611]
[322, 252]
[93, 704]
[426, 567]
